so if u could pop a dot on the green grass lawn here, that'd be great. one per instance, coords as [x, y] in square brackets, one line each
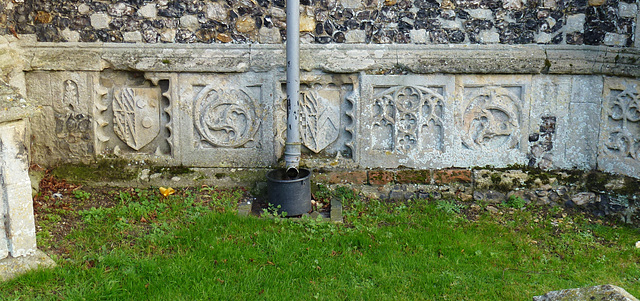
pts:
[193, 246]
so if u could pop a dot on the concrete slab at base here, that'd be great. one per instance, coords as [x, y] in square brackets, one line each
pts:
[12, 267]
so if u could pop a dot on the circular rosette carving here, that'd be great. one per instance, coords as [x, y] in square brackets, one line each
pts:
[491, 120]
[225, 118]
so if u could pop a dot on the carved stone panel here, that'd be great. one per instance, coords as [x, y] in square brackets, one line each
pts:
[133, 115]
[64, 131]
[402, 114]
[549, 121]
[584, 120]
[319, 119]
[492, 120]
[225, 120]
[619, 147]
[326, 119]
[136, 115]
[225, 117]
[407, 120]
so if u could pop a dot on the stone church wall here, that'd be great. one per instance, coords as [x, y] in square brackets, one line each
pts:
[424, 84]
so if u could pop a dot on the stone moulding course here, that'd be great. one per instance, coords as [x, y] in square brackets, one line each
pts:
[337, 58]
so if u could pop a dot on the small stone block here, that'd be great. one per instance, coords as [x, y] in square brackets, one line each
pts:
[396, 195]
[314, 214]
[244, 209]
[446, 176]
[336, 205]
[409, 176]
[336, 211]
[600, 292]
[12, 267]
[380, 177]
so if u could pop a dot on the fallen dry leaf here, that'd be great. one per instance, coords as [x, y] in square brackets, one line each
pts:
[167, 191]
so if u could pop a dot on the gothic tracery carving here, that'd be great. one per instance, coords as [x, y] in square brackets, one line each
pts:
[408, 117]
[623, 112]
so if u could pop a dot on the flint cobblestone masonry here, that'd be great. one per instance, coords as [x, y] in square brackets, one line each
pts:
[574, 22]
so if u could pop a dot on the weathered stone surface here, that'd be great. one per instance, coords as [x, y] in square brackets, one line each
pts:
[148, 11]
[341, 177]
[224, 121]
[327, 114]
[493, 120]
[189, 22]
[355, 36]
[549, 122]
[408, 176]
[12, 267]
[584, 198]
[614, 39]
[380, 177]
[410, 121]
[489, 37]
[70, 36]
[227, 58]
[419, 36]
[245, 24]
[619, 145]
[342, 59]
[627, 10]
[551, 118]
[481, 59]
[63, 130]
[307, 23]
[270, 36]
[499, 180]
[17, 226]
[600, 292]
[100, 21]
[132, 117]
[575, 23]
[448, 176]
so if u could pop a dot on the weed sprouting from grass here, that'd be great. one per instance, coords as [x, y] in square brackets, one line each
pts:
[449, 206]
[515, 202]
[81, 195]
[272, 211]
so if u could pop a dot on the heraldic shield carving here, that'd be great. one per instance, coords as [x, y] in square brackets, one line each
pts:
[320, 121]
[136, 115]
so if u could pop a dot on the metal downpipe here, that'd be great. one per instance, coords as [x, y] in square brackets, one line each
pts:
[292, 144]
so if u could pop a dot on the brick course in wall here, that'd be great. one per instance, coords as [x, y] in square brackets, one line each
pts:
[575, 22]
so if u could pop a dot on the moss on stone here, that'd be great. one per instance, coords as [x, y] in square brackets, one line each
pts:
[101, 171]
[172, 170]
[596, 181]
[631, 187]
